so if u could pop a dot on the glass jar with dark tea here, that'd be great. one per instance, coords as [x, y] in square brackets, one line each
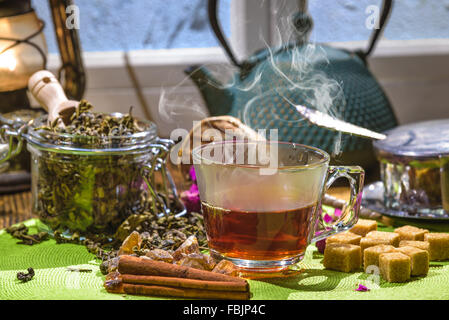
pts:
[92, 174]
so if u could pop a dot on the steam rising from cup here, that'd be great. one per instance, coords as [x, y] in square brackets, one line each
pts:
[292, 70]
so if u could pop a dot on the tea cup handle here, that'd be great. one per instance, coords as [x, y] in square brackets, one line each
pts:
[350, 212]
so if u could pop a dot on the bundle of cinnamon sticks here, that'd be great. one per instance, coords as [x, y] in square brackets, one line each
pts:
[142, 276]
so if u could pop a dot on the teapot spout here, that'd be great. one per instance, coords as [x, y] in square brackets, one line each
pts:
[217, 97]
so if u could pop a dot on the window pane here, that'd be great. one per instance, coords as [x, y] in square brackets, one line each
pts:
[107, 25]
[344, 20]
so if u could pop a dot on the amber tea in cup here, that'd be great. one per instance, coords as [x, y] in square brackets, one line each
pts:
[253, 235]
[261, 200]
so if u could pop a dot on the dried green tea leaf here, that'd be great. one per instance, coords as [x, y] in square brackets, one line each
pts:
[21, 232]
[78, 269]
[25, 277]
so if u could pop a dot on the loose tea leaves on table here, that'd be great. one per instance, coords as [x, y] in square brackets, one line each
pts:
[166, 232]
[148, 235]
[21, 232]
[25, 277]
[78, 269]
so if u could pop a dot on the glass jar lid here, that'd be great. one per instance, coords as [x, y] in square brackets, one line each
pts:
[421, 140]
[87, 144]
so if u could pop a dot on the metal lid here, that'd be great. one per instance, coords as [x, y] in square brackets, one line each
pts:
[421, 140]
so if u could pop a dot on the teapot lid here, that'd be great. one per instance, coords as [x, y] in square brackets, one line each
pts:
[421, 140]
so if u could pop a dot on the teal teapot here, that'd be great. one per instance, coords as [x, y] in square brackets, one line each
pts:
[266, 86]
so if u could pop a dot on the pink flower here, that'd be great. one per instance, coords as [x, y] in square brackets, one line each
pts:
[194, 188]
[321, 245]
[191, 199]
[337, 212]
[362, 288]
[327, 218]
[192, 174]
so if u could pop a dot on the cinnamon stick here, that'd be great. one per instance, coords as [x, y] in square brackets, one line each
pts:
[185, 283]
[140, 266]
[149, 290]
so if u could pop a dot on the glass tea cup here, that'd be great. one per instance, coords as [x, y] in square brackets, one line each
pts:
[261, 200]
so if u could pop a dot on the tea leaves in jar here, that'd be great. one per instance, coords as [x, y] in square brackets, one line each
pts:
[91, 191]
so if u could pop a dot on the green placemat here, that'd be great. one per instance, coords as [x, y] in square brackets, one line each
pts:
[53, 281]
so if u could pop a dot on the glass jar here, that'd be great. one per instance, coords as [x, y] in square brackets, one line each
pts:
[92, 184]
[414, 163]
[16, 119]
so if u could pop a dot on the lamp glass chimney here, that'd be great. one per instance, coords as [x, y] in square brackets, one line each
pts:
[19, 62]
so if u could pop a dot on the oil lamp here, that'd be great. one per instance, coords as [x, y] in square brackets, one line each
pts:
[22, 52]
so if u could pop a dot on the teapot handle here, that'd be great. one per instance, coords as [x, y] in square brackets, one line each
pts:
[213, 19]
[387, 6]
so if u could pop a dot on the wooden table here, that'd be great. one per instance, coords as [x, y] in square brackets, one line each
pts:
[15, 208]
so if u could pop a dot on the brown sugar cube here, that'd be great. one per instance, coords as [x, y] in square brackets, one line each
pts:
[395, 266]
[363, 226]
[423, 245]
[371, 254]
[419, 260]
[342, 257]
[391, 237]
[411, 233]
[371, 242]
[438, 245]
[344, 237]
